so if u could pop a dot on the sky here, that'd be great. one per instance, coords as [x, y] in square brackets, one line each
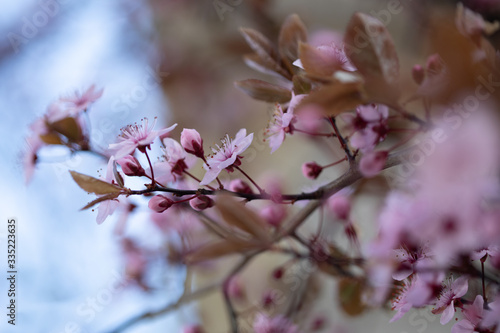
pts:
[67, 265]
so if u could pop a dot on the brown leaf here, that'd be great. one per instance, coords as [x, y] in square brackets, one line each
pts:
[109, 196]
[218, 249]
[238, 215]
[51, 139]
[67, 127]
[259, 43]
[317, 62]
[301, 85]
[337, 97]
[292, 32]
[94, 185]
[267, 66]
[371, 49]
[350, 293]
[264, 91]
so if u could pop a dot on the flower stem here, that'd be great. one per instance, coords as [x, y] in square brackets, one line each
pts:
[250, 179]
[153, 182]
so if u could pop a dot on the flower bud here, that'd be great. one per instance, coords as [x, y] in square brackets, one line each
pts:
[160, 203]
[340, 205]
[273, 214]
[372, 163]
[131, 166]
[192, 329]
[238, 185]
[311, 170]
[235, 289]
[201, 202]
[192, 142]
[418, 74]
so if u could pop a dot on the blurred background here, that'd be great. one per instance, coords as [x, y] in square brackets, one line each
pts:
[173, 59]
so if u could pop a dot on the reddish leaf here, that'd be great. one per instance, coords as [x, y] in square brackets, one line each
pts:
[371, 49]
[94, 185]
[292, 32]
[350, 293]
[236, 214]
[264, 91]
[259, 43]
[67, 127]
[317, 62]
[219, 249]
[51, 139]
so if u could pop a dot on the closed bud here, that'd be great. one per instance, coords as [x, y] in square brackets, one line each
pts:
[192, 142]
[418, 74]
[238, 185]
[340, 205]
[131, 166]
[201, 202]
[311, 170]
[160, 203]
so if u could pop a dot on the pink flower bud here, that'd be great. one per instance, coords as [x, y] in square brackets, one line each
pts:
[131, 166]
[372, 163]
[160, 203]
[238, 185]
[418, 74]
[273, 214]
[435, 64]
[340, 205]
[235, 289]
[201, 202]
[192, 142]
[311, 170]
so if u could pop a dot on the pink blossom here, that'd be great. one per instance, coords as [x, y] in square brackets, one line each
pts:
[240, 186]
[273, 214]
[369, 126]
[131, 166]
[108, 207]
[311, 117]
[163, 172]
[372, 163]
[492, 251]
[492, 317]
[81, 101]
[278, 324]
[409, 260]
[175, 155]
[334, 59]
[136, 137]
[311, 170]
[340, 204]
[235, 289]
[446, 301]
[226, 156]
[160, 203]
[400, 302]
[282, 123]
[192, 329]
[30, 156]
[473, 315]
[192, 142]
[201, 202]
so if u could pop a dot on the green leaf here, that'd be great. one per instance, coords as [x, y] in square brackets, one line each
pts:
[94, 185]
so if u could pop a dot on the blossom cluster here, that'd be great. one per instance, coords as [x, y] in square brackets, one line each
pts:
[437, 241]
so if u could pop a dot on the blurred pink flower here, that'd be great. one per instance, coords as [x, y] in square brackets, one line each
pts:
[473, 315]
[311, 170]
[201, 202]
[282, 123]
[368, 126]
[136, 137]
[372, 163]
[81, 101]
[108, 207]
[226, 156]
[278, 324]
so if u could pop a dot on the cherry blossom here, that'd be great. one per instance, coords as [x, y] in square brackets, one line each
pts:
[278, 324]
[136, 137]
[108, 207]
[452, 291]
[226, 156]
[473, 315]
[81, 101]
[192, 142]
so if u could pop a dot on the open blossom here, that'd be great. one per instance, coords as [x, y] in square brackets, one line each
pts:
[278, 324]
[368, 126]
[175, 155]
[108, 207]
[473, 315]
[81, 101]
[226, 156]
[446, 300]
[282, 123]
[409, 260]
[137, 137]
